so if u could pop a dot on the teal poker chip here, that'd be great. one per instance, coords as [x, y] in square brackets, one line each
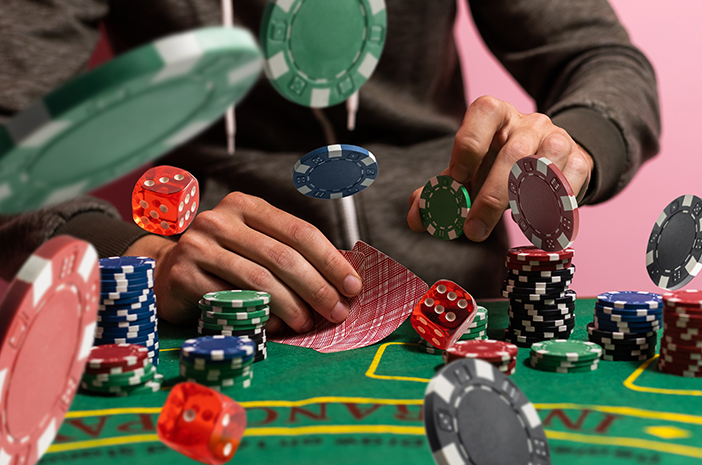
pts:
[444, 206]
[130, 110]
[318, 52]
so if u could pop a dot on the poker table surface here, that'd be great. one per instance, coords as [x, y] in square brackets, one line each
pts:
[364, 406]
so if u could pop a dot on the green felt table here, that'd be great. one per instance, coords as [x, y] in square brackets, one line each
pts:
[365, 407]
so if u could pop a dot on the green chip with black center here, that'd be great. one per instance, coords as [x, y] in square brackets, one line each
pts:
[444, 204]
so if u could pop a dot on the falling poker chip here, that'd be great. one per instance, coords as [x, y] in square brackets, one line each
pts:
[443, 205]
[129, 110]
[319, 53]
[335, 171]
[47, 320]
[674, 248]
[543, 204]
[475, 414]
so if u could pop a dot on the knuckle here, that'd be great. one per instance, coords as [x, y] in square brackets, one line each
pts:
[487, 103]
[281, 256]
[302, 232]
[259, 279]
[516, 149]
[322, 297]
[540, 120]
[557, 143]
[493, 202]
[467, 142]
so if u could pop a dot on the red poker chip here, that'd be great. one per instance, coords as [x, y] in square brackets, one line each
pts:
[682, 322]
[679, 309]
[489, 350]
[692, 356]
[530, 253]
[684, 298]
[47, 321]
[543, 204]
[125, 356]
[685, 345]
[672, 363]
[554, 264]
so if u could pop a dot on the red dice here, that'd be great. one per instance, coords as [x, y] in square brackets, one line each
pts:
[201, 423]
[444, 313]
[165, 200]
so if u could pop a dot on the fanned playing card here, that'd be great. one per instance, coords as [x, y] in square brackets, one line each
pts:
[390, 292]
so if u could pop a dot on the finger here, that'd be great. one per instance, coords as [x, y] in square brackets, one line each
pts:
[308, 241]
[484, 118]
[274, 325]
[578, 170]
[493, 198]
[414, 218]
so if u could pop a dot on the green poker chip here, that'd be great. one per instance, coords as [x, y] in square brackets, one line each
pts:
[444, 206]
[557, 369]
[233, 327]
[231, 323]
[205, 307]
[319, 52]
[236, 298]
[130, 110]
[563, 364]
[237, 316]
[566, 350]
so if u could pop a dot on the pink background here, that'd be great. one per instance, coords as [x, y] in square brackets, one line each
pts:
[611, 245]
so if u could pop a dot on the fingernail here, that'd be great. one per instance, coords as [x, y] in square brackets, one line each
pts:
[340, 312]
[352, 285]
[307, 326]
[459, 173]
[475, 230]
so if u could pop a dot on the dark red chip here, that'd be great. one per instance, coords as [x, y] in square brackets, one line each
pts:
[684, 298]
[47, 321]
[489, 350]
[105, 357]
[529, 253]
[543, 204]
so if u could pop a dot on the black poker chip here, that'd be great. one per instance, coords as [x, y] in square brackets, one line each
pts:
[476, 414]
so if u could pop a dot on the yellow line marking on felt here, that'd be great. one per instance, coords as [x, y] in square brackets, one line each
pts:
[626, 411]
[629, 383]
[376, 361]
[647, 444]
[250, 432]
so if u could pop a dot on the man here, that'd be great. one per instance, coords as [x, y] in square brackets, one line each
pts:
[575, 60]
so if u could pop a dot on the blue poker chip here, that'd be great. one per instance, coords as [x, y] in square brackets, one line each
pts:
[631, 318]
[106, 286]
[625, 327]
[142, 341]
[630, 299]
[138, 325]
[628, 311]
[147, 330]
[124, 295]
[125, 264]
[141, 306]
[217, 348]
[140, 301]
[123, 316]
[335, 171]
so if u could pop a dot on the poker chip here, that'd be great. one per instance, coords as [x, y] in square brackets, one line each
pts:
[335, 171]
[498, 353]
[673, 254]
[467, 389]
[319, 54]
[169, 91]
[236, 298]
[220, 361]
[443, 206]
[681, 344]
[541, 306]
[531, 253]
[426, 346]
[543, 204]
[630, 299]
[560, 349]
[49, 307]
[127, 313]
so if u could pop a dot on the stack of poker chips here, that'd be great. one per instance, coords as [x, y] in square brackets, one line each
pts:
[681, 344]
[218, 361]
[564, 356]
[502, 355]
[541, 306]
[236, 313]
[127, 308]
[476, 331]
[120, 370]
[626, 325]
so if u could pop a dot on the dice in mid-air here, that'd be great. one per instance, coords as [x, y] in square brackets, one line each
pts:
[444, 313]
[201, 423]
[165, 200]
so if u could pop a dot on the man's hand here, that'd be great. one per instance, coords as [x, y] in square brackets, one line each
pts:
[245, 243]
[492, 137]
